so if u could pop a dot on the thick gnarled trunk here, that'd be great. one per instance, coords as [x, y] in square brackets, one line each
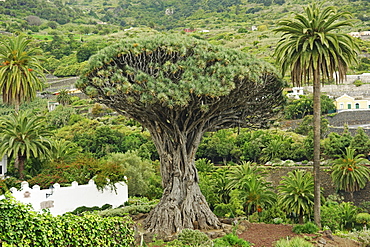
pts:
[182, 204]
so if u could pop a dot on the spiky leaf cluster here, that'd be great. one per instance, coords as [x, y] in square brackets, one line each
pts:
[181, 79]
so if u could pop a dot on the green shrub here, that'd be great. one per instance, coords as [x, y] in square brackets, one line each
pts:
[80, 210]
[294, 242]
[231, 240]
[278, 221]
[194, 238]
[338, 216]
[361, 236]
[20, 226]
[363, 218]
[129, 210]
[357, 83]
[308, 227]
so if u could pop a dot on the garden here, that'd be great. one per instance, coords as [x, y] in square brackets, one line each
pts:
[197, 131]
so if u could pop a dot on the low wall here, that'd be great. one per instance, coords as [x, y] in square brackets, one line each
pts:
[65, 199]
[276, 173]
[349, 117]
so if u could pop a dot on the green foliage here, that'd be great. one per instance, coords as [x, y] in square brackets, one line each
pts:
[294, 242]
[20, 71]
[335, 144]
[338, 216]
[350, 173]
[358, 83]
[194, 238]
[63, 97]
[20, 226]
[308, 227]
[307, 125]
[82, 209]
[361, 142]
[137, 170]
[80, 170]
[296, 193]
[231, 240]
[128, 210]
[24, 135]
[300, 108]
[274, 215]
[60, 116]
[362, 236]
[234, 208]
[363, 218]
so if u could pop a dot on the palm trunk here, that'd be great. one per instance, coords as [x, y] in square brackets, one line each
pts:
[21, 160]
[182, 204]
[316, 146]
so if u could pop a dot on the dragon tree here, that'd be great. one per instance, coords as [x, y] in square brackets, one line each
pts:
[179, 88]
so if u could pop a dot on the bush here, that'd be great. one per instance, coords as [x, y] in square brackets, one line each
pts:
[231, 240]
[309, 227]
[363, 218]
[357, 83]
[294, 242]
[80, 210]
[361, 236]
[20, 226]
[194, 238]
[129, 210]
[338, 216]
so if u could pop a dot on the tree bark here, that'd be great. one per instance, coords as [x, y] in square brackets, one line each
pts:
[182, 204]
[316, 146]
[21, 160]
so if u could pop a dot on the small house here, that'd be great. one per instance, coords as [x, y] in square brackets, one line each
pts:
[346, 102]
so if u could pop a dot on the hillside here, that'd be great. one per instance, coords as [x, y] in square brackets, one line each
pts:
[69, 32]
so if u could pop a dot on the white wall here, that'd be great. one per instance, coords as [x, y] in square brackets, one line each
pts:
[3, 166]
[66, 199]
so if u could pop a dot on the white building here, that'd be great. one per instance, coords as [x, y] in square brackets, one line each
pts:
[3, 166]
[295, 93]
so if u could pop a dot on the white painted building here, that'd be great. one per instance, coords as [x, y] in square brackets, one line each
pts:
[296, 92]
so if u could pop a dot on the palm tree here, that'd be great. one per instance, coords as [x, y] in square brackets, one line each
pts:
[241, 174]
[62, 150]
[20, 71]
[23, 135]
[349, 173]
[312, 49]
[297, 193]
[64, 97]
[257, 194]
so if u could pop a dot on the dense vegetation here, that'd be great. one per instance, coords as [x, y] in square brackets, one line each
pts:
[99, 144]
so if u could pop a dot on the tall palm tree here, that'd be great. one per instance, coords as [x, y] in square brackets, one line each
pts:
[64, 97]
[23, 135]
[297, 193]
[350, 173]
[311, 48]
[20, 70]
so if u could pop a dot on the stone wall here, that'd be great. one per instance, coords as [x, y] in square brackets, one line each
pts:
[347, 87]
[275, 175]
[349, 117]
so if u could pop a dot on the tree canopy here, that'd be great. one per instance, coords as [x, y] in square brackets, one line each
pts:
[179, 88]
[164, 74]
